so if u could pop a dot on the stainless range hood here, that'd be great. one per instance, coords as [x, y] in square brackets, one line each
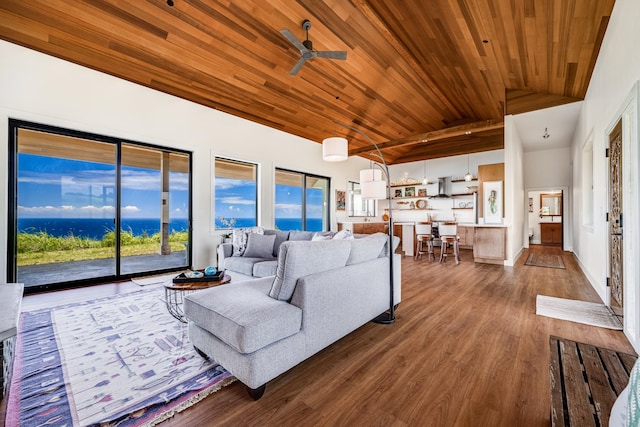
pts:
[444, 185]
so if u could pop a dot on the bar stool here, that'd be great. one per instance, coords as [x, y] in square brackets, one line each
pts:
[424, 240]
[449, 238]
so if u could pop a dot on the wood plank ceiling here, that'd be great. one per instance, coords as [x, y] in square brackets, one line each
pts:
[424, 79]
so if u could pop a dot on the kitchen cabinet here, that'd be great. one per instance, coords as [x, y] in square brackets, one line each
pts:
[364, 227]
[466, 236]
[489, 244]
[551, 233]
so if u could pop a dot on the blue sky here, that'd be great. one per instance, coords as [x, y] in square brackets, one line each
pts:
[61, 188]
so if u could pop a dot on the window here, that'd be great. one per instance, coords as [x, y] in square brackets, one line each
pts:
[302, 201]
[357, 205]
[236, 194]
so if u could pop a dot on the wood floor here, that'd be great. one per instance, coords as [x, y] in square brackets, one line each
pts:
[467, 350]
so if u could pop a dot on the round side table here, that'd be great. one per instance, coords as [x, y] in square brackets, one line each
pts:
[174, 294]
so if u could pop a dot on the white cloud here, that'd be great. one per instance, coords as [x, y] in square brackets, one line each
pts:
[69, 211]
[237, 201]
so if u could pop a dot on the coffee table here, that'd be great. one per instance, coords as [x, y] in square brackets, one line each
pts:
[174, 294]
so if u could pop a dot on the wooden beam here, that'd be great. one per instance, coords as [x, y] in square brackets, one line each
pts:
[436, 135]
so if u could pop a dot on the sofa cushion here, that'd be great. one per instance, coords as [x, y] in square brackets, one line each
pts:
[281, 236]
[299, 259]
[265, 268]
[240, 237]
[259, 246]
[300, 235]
[367, 248]
[242, 315]
[243, 265]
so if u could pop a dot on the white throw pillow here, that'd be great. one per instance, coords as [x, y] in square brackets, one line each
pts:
[343, 235]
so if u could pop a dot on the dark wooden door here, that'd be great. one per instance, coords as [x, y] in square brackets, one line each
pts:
[615, 219]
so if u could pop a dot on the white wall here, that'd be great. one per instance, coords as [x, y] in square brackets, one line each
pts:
[514, 194]
[40, 88]
[609, 97]
[547, 168]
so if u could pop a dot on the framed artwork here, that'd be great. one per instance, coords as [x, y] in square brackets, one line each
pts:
[422, 192]
[530, 204]
[492, 193]
[398, 193]
[409, 191]
[341, 200]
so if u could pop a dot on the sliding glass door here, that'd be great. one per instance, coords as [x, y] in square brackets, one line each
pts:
[301, 201]
[88, 209]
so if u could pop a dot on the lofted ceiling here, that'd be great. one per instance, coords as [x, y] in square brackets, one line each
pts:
[424, 79]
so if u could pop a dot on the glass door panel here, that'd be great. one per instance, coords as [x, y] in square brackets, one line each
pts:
[65, 208]
[288, 200]
[317, 201]
[153, 230]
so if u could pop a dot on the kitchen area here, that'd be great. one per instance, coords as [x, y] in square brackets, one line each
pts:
[474, 203]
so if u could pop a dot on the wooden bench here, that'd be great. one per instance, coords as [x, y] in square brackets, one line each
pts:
[585, 382]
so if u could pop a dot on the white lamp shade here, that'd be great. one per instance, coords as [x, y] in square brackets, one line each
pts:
[375, 190]
[368, 175]
[335, 149]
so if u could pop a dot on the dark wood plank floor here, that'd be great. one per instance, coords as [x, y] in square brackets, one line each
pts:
[467, 350]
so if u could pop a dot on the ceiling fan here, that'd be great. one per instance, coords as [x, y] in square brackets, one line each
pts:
[306, 49]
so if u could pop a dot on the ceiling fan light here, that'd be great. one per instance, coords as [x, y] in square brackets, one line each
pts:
[335, 149]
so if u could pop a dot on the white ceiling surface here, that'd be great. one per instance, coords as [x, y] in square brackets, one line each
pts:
[559, 121]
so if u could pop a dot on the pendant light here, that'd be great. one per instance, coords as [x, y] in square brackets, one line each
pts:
[425, 181]
[468, 176]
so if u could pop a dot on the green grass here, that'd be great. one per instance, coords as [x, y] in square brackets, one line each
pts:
[42, 248]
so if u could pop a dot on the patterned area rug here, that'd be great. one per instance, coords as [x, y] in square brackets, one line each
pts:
[545, 260]
[121, 361]
[589, 313]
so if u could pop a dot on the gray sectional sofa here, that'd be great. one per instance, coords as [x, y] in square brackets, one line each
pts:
[323, 290]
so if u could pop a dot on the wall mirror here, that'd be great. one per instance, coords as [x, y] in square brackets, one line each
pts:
[550, 204]
[357, 206]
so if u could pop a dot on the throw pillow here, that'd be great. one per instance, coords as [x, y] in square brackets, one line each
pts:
[240, 237]
[343, 235]
[367, 248]
[259, 246]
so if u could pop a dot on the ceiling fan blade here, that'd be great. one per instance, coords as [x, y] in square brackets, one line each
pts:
[333, 54]
[294, 41]
[297, 67]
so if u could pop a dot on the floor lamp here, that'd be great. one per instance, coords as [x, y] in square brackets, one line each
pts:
[336, 149]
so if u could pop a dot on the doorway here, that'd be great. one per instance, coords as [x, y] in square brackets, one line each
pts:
[615, 218]
[545, 217]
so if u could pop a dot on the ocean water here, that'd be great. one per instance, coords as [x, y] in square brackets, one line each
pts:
[97, 228]
[94, 228]
[313, 224]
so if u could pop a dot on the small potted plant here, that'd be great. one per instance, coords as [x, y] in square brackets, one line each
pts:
[227, 224]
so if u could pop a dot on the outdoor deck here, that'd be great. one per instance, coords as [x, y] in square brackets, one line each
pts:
[44, 274]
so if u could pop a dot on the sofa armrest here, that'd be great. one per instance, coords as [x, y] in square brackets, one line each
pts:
[225, 250]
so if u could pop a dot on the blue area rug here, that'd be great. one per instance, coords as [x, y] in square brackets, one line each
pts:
[122, 361]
